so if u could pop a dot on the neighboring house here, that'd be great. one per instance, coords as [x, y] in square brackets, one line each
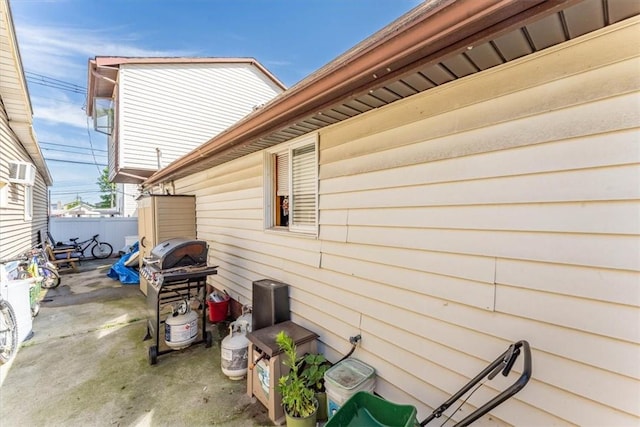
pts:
[24, 176]
[126, 199]
[84, 210]
[155, 110]
[465, 178]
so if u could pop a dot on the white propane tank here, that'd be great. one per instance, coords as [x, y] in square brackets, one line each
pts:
[247, 316]
[235, 349]
[181, 329]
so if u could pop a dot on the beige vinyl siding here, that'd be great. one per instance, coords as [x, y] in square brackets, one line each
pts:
[16, 234]
[500, 207]
[177, 107]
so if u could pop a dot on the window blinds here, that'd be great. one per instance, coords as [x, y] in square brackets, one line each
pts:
[304, 185]
[282, 174]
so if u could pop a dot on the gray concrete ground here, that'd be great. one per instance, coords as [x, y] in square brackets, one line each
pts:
[87, 365]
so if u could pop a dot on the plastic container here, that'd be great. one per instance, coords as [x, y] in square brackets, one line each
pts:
[363, 409]
[344, 380]
[17, 293]
[218, 305]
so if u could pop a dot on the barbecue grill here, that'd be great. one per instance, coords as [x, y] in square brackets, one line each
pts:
[176, 271]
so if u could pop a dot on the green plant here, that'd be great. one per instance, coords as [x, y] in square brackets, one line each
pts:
[315, 365]
[297, 398]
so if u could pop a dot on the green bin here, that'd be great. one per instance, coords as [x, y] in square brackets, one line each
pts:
[364, 409]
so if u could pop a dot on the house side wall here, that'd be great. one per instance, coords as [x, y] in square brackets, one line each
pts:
[503, 206]
[178, 107]
[128, 204]
[17, 235]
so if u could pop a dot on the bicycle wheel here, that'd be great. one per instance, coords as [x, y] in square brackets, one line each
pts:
[35, 309]
[101, 250]
[8, 332]
[51, 278]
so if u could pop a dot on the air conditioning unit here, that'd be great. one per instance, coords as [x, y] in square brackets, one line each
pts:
[22, 173]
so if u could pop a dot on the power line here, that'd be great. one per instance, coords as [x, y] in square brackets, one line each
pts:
[88, 187]
[72, 146]
[65, 101]
[54, 86]
[69, 151]
[62, 193]
[44, 77]
[77, 162]
[48, 81]
[91, 145]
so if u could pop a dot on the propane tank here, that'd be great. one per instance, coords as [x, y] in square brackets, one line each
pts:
[247, 316]
[181, 327]
[235, 349]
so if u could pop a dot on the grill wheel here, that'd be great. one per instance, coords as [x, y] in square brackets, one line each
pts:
[153, 355]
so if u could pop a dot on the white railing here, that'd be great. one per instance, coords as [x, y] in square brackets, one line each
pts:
[112, 230]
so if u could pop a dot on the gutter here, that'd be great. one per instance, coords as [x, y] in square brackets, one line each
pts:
[430, 31]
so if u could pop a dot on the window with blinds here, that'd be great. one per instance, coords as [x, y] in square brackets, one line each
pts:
[291, 186]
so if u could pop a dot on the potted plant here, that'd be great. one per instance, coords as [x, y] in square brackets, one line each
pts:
[314, 367]
[298, 400]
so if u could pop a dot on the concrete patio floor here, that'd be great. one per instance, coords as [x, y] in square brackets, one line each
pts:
[87, 365]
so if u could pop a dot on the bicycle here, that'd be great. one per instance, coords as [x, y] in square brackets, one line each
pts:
[8, 331]
[99, 250]
[8, 328]
[41, 267]
[28, 268]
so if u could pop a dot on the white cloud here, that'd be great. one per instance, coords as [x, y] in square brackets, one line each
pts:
[56, 112]
[64, 52]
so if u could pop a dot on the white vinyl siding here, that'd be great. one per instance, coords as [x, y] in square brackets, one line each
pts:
[18, 231]
[500, 207]
[127, 199]
[177, 107]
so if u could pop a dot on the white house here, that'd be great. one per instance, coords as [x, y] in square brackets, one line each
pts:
[24, 176]
[465, 178]
[154, 110]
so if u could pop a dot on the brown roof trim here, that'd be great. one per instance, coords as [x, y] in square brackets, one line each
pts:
[423, 34]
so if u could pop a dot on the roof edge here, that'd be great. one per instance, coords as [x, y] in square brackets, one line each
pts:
[101, 61]
[427, 31]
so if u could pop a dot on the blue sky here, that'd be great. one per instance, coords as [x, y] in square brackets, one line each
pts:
[291, 38]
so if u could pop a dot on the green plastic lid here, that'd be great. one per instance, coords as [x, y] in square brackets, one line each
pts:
[349, 374]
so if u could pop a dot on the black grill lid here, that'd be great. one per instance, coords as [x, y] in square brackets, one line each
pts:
[179, 252]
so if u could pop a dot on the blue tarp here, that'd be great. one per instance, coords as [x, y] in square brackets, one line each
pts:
[119, 271]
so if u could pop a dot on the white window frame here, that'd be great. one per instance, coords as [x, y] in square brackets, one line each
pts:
[28, 202]
[270, 185]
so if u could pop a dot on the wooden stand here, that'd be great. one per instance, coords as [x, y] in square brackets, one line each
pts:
[266, 356]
